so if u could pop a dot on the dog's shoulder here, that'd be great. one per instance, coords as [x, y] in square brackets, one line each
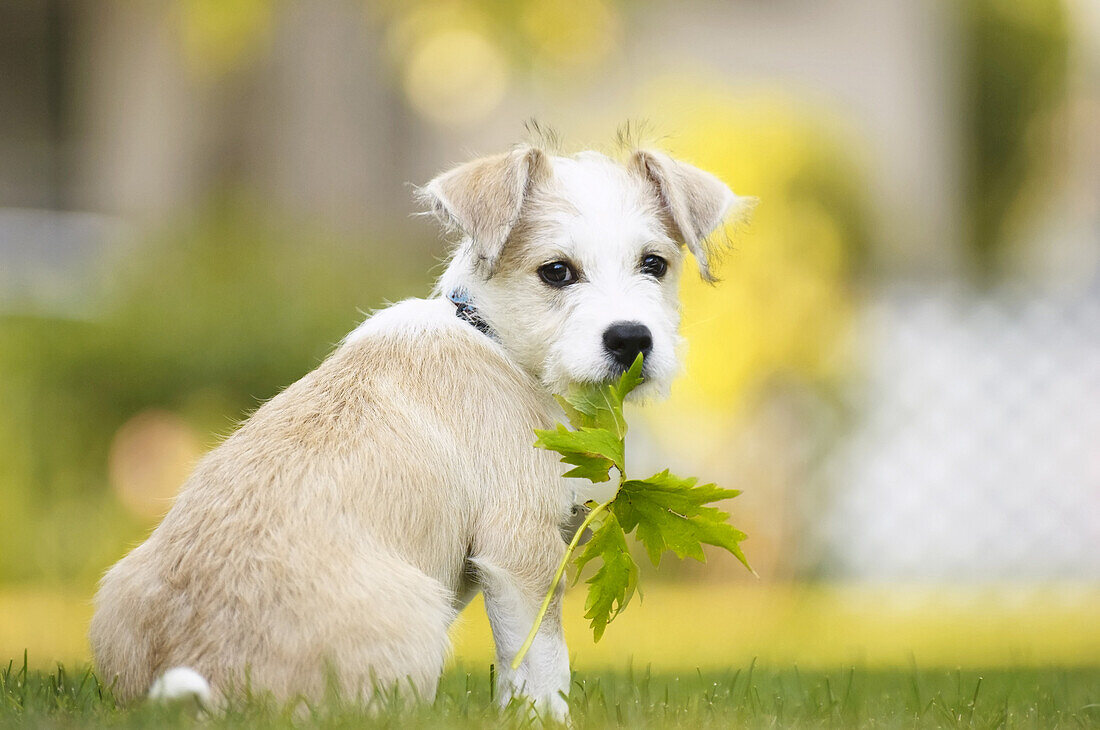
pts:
[420, 347]
[407, 318]
[423, 333]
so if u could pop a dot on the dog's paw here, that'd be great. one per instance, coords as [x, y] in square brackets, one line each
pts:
[544, 701]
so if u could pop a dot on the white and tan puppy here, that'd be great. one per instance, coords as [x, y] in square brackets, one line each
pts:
[338, 532]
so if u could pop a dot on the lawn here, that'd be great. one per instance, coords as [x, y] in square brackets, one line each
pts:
[1028, 659]
[747, 696]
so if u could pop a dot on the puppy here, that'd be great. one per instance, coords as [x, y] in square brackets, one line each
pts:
[336, 535]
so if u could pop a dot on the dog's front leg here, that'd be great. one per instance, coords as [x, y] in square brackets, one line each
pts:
[514, 580]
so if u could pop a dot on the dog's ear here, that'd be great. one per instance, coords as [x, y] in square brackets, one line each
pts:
[484, 198]
[693, 201]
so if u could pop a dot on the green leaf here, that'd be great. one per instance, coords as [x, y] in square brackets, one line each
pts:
[667, 512]
[613, 585]
[671, 514]
[595, 406]
[592, 468]
[630, 380]
[600, 405]
[592, 450]
[577, 418]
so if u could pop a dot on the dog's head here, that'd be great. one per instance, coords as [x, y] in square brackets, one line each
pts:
[574, 261]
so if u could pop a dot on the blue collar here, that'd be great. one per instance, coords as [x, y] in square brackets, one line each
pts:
[467, 312]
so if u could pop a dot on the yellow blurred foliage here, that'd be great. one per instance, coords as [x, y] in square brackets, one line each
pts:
[456, 59]
[681, 627]
[785, 302]
[564, 35]
[454, 76]
[678, 627]
[218, 35]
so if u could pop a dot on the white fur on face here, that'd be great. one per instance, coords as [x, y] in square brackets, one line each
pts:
[602, 220]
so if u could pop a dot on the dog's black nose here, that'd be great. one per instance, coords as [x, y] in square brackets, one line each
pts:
[624, 340]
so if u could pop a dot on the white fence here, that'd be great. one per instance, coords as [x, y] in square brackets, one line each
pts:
[974, 452]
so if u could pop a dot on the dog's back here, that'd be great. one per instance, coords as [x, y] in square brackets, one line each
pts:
[331, 530]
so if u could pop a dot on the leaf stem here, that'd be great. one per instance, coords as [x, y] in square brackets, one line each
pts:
[557, 579]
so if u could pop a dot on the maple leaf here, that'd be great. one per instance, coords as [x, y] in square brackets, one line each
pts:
[666, 513]
[613, 585]
[670, 513]
[592, 451]
[596, 443]
[600, 405]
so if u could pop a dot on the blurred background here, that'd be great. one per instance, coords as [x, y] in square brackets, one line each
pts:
[900, 368]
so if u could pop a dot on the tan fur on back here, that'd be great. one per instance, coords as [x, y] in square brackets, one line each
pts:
[307, 541]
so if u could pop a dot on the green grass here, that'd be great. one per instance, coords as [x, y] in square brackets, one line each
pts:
[740, 697]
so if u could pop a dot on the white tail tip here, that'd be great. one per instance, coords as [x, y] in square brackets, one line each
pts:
[180, 683]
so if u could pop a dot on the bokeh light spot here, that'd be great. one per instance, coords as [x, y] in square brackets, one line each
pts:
[455, 76]
[570, 33]
[151, 455]
[218, 36]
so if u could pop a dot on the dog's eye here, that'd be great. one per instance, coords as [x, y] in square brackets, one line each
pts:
[558, 273]
[654, 265]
